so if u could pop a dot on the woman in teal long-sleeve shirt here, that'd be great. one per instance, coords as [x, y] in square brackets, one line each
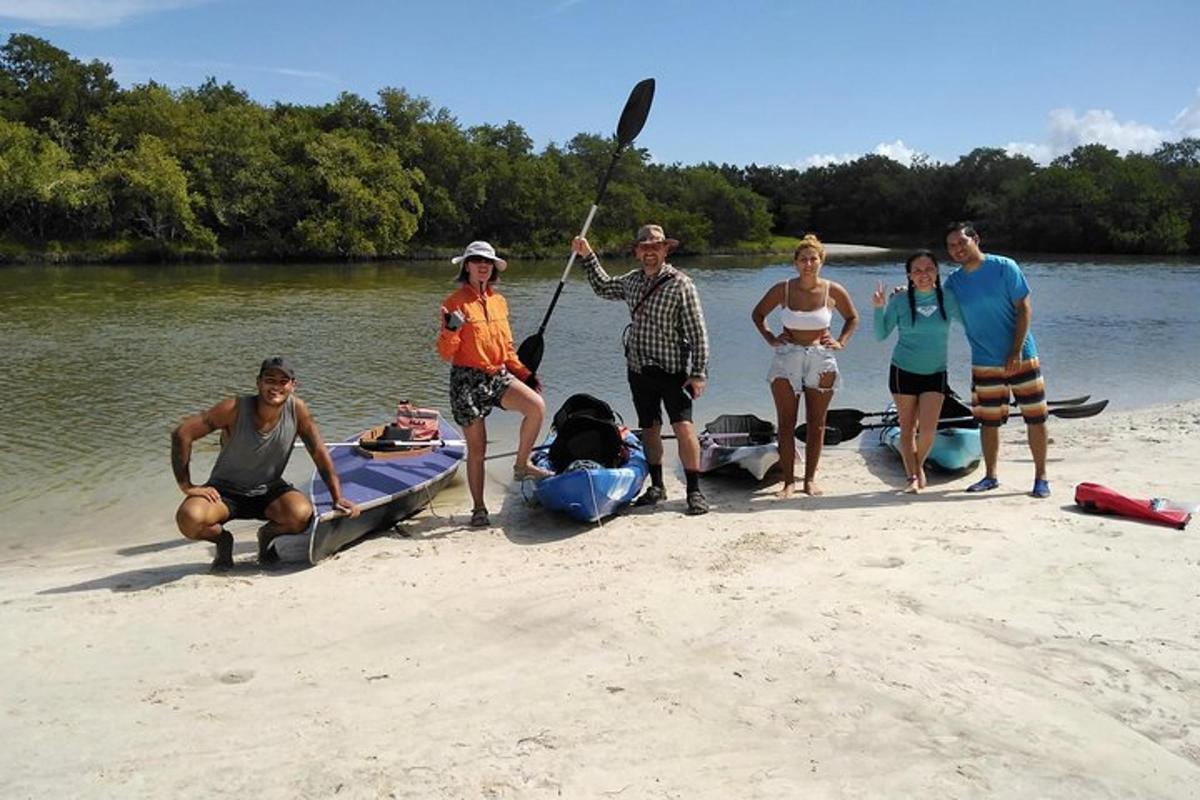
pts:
[917, 377]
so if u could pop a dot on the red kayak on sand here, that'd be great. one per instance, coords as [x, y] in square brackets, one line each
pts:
[1101, 500]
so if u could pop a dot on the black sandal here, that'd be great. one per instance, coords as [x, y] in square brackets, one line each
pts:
[224, 560]
[697, 503]
[652, 496]
[479, 518]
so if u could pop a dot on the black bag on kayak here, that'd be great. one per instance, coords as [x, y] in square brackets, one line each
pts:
[586, 428]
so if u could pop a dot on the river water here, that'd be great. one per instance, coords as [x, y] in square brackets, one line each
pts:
[102, 362]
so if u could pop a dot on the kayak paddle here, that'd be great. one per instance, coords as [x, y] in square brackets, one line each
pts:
[637, 108]
[847, 427]
[844, 417]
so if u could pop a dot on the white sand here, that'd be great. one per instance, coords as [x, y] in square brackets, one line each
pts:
[862, 644]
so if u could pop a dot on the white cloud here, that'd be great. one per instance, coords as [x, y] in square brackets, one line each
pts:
[1038, 152]
[825, 160]
[1066, 131]
[1187, 122]
[139, 70]
[85, 13]
[897, 151]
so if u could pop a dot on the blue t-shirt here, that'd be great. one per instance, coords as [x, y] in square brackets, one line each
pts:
[921, 347]
[985, 299]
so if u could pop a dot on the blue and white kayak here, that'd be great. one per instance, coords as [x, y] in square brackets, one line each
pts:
[387, 486]
[591, 493]
[955, 449]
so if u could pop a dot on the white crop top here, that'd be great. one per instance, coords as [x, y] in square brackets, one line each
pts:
[817, 319]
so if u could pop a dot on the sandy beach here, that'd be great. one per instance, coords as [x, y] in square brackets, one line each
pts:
[858, 645]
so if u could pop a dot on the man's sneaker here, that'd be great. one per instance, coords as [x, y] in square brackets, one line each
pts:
[984, 485]
[1041, 488]
[266, 553]
[652, 496]
[697, 503]
[224, 559]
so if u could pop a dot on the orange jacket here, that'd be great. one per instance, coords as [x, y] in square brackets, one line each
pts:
[485, 341]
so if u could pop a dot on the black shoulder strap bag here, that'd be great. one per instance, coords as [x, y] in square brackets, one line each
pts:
[654, 287]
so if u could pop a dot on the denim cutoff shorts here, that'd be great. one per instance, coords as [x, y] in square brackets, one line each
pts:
[803, 365]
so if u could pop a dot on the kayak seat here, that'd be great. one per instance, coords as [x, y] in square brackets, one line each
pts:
[757, 431]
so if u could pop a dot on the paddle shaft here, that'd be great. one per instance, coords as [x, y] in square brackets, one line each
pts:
[850, 429]
[635, 432]
[855, 414]
[587, 226]
[399, 443]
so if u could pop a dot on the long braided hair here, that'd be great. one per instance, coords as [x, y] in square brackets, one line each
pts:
[912, 290]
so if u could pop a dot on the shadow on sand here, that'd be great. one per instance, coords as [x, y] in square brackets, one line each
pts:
[137, 580]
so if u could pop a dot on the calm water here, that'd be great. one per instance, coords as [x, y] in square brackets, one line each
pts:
[102, 362]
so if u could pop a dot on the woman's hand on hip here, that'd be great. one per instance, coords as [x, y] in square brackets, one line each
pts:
[827, 340]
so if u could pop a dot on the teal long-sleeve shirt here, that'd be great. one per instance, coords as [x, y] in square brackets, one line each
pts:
[921, 346]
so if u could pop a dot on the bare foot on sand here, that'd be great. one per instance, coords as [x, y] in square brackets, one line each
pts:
[530, 472]
[812, 490]
[914, 485]
[787, 491]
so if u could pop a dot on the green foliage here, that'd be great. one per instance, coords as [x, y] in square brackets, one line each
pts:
[364, 202]
[44, 88]
[86, 167]
[150, 192]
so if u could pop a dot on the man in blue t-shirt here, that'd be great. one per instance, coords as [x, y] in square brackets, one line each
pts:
[994, 300]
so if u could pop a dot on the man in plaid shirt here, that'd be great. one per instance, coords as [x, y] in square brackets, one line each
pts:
[666, 346]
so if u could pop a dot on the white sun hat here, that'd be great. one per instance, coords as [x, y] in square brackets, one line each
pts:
[484, 250]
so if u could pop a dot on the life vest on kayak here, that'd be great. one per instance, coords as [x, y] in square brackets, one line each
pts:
[586, 429]
[412, 424]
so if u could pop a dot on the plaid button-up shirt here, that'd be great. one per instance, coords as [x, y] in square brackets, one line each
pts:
[668, 329]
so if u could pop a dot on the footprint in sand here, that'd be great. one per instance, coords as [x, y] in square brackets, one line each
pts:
[236, 676]
[891, 562]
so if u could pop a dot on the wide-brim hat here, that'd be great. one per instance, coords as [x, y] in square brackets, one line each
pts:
[484, 250]
[653, 234]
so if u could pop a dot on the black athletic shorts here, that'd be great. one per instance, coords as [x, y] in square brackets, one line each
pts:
[252, 506]
[901, 381]
[653, 388]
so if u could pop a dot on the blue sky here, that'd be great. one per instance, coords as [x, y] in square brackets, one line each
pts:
[791, 83]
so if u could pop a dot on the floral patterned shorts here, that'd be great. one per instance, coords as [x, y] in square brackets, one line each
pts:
[474, 393]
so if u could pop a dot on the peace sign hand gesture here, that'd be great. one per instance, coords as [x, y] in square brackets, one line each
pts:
[879, 298]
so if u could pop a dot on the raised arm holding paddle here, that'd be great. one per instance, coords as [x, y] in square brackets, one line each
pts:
[633, 119]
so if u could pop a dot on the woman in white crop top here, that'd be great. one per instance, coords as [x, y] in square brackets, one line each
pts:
[804, 361]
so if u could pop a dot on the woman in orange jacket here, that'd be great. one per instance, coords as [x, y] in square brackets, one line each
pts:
[485, 371]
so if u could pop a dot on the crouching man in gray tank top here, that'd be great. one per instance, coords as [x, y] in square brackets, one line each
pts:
[258, 432]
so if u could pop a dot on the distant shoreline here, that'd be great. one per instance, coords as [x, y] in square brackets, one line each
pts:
[57, 259]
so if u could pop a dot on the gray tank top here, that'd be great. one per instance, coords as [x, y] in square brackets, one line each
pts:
[251, 462]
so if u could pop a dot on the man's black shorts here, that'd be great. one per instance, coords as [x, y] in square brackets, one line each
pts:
[901, 381]
[653, 388]
[252, 506]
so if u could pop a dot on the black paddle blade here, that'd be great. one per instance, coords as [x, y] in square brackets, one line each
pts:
[833, 434]
[637, 108]
[1078, 412]
[1070, 401]
[531, 350]
[847, 417]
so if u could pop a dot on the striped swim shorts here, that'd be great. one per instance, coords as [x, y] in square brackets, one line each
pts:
[991, 388]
